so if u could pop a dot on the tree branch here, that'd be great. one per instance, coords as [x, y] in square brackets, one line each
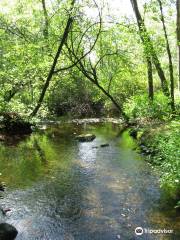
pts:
[58, 53]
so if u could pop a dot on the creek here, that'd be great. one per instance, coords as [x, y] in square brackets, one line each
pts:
[59, 188]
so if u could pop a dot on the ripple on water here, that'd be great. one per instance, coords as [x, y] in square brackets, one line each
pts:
[63, 189]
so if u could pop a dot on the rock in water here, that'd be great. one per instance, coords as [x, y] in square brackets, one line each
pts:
[7, 232]
[86, 137]
[104, 145]
[2, 186]
[133, 133]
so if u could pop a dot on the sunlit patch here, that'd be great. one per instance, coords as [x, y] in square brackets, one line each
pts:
[118, 186]
[86, 153]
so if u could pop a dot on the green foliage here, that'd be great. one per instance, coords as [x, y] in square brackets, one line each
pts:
[139, 106]
[26, 57]
[177, 205]
[166, 145]
[75, 97]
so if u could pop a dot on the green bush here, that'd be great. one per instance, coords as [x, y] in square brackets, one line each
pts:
[74, 97]
[139, 106]
[168, 145]
[164, 142]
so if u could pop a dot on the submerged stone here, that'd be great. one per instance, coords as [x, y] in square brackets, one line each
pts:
[86, 137]
[104, 145]
[7, 232]
[133, 132]
[2, 186]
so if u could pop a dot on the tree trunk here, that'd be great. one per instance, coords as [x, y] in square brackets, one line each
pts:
[178, 36]
[150, 79]
[126, 118]
[171, 70]
[146, 40]
[51, 72]
[96, 83]
[46, 22]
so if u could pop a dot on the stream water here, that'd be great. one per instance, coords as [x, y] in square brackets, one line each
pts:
[59, 188]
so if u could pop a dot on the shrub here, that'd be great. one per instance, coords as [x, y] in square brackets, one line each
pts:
[164, 144]
[139, 106]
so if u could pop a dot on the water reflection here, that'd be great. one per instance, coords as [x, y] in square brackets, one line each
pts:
[61, 189]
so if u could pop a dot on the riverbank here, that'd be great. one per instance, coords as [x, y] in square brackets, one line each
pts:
[159, 141]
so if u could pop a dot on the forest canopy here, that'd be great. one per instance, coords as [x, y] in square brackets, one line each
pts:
[86, 58]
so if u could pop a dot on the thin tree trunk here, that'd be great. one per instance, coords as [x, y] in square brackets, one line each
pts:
[150, 79]
[46, 22]
[9, 95]
[149, 45]
[51, 71]
[12, 92]
[94, 80]
[178, 37]
[126, 118]
[171, 70]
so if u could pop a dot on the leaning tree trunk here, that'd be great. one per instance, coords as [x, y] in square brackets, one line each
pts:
[95, 81]
[178, 36]
[149, 48]
[51, 71]
[171, 70]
